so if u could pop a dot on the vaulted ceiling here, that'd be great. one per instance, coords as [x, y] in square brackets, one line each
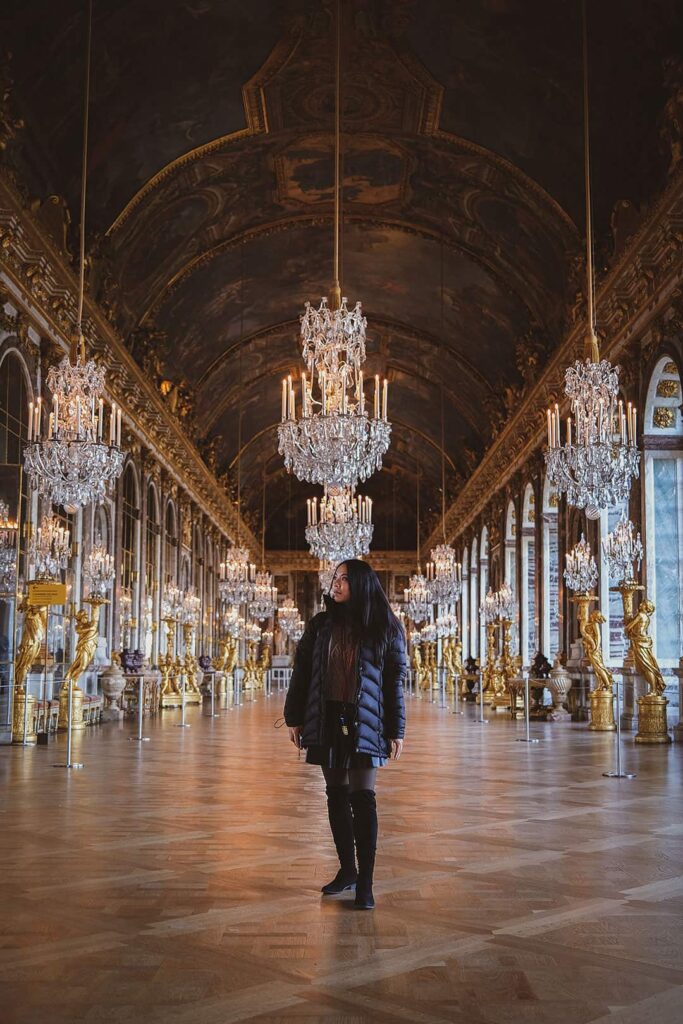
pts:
[210, 199]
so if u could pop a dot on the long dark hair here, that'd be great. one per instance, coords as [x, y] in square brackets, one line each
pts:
[368, 606]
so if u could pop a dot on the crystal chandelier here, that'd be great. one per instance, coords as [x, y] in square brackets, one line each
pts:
[490, 608]
[287, 616]
[251, 632]
[234, 584]
[263, 596]
[623, 549]
[446, 625]
[298, 631]
[599, 458]
[98, 570]
[417, 600]
[428, 634]
[335, 441]
[50, 548]
[581, 573]
[339, 525]
[190, 607]
[66, 457]
[8, 547]
[172, 602]
[444, 575]
[232, 622]
[506, 602]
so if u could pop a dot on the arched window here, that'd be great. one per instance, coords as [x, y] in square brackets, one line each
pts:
[511, 564]
[483, 582]
[465, 604]
[528, 610]
[551, 573]
[170, 545]
[150, 611]
[474, 601]
[663, 478]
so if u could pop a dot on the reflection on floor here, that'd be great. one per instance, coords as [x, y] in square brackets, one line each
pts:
[178, 882]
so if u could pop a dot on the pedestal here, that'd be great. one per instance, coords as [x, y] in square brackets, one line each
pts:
[76, 708]
[678, 728]
[652, 725]
[113, 683]
[602, 711]
[20, 700]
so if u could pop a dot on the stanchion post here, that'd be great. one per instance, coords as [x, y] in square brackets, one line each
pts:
[481, 719]
[618, 774]
[214, 713]
[528, 738]
[69, 724]
[141, 707]
[182, 724]
[456, 696]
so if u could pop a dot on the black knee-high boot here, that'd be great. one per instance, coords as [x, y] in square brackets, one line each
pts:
[341, 824]
[364, 809]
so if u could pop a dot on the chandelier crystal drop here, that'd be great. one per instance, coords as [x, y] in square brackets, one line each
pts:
[50, 548]
[444, 575]
[417, 600]
[263, 596]
[234, 583]
[98, 570]
[326, 574]
[581, 573]
[599, 458]
[66, 457]
[8, 547]
[506, 601]
[490, 608]
[339, 525]
[172, 603]
[446, 625]
[623, 550]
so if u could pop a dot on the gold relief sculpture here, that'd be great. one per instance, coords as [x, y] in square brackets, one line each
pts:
[602, 697]
[87, 631]
[652, 723]
[668, 389]
[664, 417]
[670, 367]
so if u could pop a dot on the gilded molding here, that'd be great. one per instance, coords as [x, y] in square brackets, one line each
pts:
[40, 273]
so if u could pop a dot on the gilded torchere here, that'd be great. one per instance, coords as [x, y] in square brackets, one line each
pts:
[170, 693]
[416, 665]
[652, 724]
[225, 663]
[602, 697]
[32, 637]
[189, 662]
[87, 631]
[628, 589]
[490, 675]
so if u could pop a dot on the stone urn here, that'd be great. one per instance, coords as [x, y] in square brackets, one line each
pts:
[559, 684]
[113, 682]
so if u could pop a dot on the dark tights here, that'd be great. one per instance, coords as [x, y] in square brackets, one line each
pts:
[355, 778]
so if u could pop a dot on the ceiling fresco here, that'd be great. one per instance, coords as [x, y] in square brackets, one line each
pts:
[210, 201]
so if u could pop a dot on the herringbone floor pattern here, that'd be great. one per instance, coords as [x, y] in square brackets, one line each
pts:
[178, 883]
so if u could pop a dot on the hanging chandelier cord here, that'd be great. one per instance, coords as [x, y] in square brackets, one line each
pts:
[418, 521]
[77, 342]
[336, 288]
[591, 345]
[263, 523]
[239, 384]
[443, 450]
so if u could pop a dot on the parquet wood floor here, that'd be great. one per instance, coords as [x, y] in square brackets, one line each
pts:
[178, 882]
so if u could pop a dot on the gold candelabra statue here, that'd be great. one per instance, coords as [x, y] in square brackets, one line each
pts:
[87, 631]
[652, 723]
[417, 666]
[32, 636]
[602, 696]
[170, 692]
[490, 674]
[189, 661]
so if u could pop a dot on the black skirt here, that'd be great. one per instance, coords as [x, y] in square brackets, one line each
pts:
[337, 751]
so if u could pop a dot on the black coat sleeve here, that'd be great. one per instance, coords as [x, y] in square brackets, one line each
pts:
[393, 676]
[297, 694]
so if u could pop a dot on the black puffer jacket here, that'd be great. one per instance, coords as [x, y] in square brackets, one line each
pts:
[380, 714]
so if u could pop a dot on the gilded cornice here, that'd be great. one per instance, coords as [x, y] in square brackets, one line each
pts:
[633, 294]
[42, 275]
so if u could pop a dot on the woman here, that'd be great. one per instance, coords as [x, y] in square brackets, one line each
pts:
[345, 705]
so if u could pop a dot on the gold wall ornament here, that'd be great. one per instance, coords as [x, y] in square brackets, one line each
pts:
[652, 721]
[668, 389]
[33, 634]
[670, 367]
[87, 631]
[664, 417]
